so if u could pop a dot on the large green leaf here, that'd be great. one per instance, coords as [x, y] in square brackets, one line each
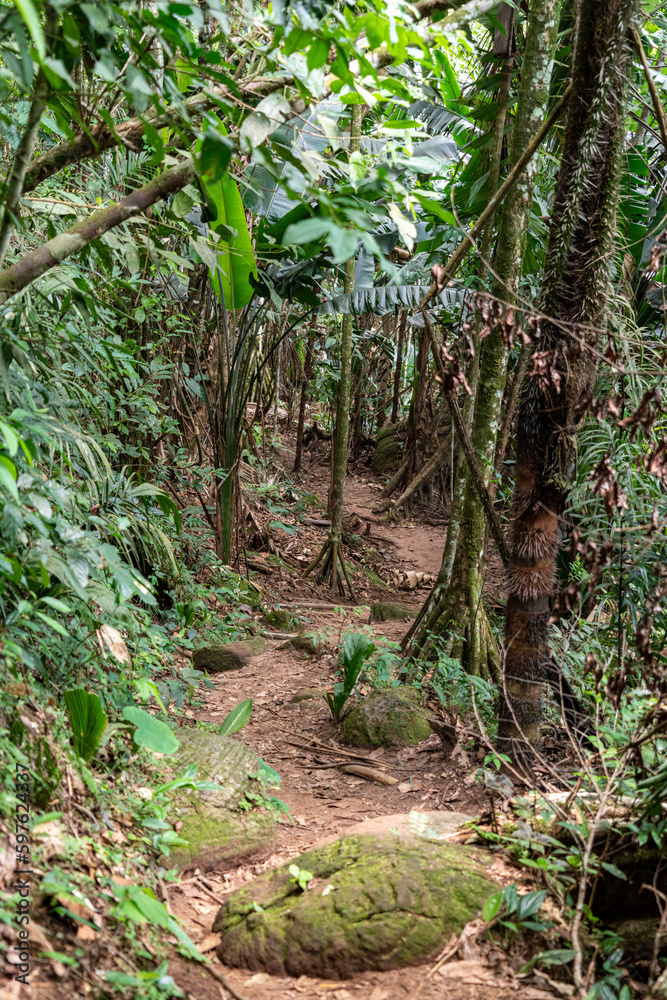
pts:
[230, 278]
[87, 720]
[384, 299]
[237, 718]
[150, 732]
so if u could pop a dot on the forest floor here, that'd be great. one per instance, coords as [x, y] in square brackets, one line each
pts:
[322, 800]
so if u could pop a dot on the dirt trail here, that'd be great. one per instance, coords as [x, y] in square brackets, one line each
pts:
[322, 799]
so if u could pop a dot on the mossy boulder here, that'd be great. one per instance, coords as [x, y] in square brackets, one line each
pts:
[227, 655]
[279, 618]
[375, 902]
[385, 611]
[219, 824]
[307, 644]
[387, 718]
[387, 453]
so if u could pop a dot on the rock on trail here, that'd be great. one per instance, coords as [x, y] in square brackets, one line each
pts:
[381, 898]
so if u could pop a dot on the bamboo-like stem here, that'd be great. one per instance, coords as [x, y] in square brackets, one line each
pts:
[14, 183]
[496, 154]
[653, 90]
[307, 375]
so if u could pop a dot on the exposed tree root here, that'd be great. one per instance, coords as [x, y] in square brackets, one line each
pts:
[463, 633]
[423, 477]
[333, 570]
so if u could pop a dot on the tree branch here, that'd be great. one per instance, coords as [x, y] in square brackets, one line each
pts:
[88, 146]
[21, 274]
[450, 268]
[92, 144]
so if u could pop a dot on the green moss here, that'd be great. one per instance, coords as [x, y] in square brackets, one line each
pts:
[307, 694]
[374, 578]
[216, 821]
[280, 618]
[388, 718]
[278, 561]
[384, 611]
[376, 903]
[387, 453]
[214, 839]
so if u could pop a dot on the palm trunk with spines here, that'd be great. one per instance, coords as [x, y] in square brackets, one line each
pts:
[574, 297]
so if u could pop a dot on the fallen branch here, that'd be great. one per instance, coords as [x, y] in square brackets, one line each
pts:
[17, 277]
[370, 773]
[426, 473]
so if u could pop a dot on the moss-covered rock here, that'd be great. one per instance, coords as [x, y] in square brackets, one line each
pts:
[307, 644]
[227, 655]
[387, 453]
[219, 824]
[374, 578]
[375, 902]
[307, 694]
[385, 611]
[280, 618]
[392, 717]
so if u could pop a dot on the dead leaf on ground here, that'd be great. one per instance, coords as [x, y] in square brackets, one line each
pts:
[473, 973]
[38, 937]
[257, 979]
[86, 933]
[410, 786]
[51, 838]
[113, 640]
[210, 942]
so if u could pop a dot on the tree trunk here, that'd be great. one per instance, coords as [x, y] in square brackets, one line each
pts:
[399, 367]
[332, 550]
[574, 296]
[307, 375]
[455, 606]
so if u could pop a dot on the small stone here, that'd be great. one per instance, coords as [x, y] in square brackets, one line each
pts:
[388, 718]
[279, 618]
[307, 644]
[227, 655]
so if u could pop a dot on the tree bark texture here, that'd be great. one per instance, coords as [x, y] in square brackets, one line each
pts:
[574, 296]
[398, 371]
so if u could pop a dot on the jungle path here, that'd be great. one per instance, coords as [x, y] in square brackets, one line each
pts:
[293, 737]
